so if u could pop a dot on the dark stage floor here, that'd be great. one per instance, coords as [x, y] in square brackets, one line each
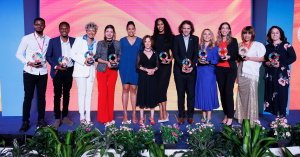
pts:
[11, 125]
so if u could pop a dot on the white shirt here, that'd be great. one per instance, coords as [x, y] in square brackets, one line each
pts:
[30, 45]
[65, 51]
[186, 41]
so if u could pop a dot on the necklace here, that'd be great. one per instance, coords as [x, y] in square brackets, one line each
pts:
[149, 50]
[109, 42]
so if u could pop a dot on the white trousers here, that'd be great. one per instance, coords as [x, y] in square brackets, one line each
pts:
[85, 87]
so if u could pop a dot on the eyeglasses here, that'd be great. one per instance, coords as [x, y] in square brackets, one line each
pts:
[39, 24]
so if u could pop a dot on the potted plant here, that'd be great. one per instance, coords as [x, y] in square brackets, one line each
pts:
[202, 141]
[146, 133]
[128, 143]
[204, 131]
[170, 135]
[282, 132]
[71, 146]
[246, 144]
[43, 141]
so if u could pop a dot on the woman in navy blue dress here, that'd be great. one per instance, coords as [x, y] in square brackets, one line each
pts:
[130, 46]
[277, 77]
[206, 95]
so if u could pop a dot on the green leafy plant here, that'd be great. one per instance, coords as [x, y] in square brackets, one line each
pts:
[20, 151]
[83, 128]
[43, 140]
[73, 146]
[264, 132]
[203, 131]
[170, 134]
[249, 145]
[3, 152]
[102, 143]
[296, 136]
[282, 130]
[155, 150]
[146, 133]
[128, 142]
[202, 145]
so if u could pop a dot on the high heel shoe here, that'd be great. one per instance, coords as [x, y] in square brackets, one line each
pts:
[152, 122]
[203, 119]
[224, 121]
[208, 121]
[141, 121]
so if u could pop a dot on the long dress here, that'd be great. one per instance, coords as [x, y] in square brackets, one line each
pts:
[164, 71]
[277, 80]
[147, 96]
[127, 69]
[206, 94]
[247, 94]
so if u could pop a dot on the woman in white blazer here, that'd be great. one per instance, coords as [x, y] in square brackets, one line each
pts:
[84, 72]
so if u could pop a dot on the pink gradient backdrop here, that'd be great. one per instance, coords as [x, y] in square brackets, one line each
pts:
[204, 14]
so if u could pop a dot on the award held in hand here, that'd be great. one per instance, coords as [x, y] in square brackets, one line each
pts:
[90, 57]
[37, 58]
[63, 60]
[222, 52]
[243, 51]
[203, 55]
[186, 63]
[113, 60]
[273, 57]
[163, 56]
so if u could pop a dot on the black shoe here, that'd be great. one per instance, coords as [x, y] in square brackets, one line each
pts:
[25, 127]
[41, 123]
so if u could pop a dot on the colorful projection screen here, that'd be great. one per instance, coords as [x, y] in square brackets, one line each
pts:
[204, 14]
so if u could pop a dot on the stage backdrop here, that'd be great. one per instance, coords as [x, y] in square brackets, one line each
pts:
[204, 14]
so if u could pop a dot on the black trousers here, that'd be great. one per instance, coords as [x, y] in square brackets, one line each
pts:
[62, 83]
[185, 83]
[30, 82]
[226, 78]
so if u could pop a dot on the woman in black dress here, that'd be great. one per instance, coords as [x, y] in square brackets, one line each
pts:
[163, 38]
[277, 77]
[147, 64]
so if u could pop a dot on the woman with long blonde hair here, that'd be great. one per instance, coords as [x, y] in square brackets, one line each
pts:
[206, 97]
[226, 69]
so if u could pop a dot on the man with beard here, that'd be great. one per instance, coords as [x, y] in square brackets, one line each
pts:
[35, 72]
[59, 49]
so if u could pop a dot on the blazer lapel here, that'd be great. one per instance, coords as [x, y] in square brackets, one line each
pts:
[59, 47]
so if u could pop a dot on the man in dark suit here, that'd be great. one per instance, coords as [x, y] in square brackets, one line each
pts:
[185, 45]
[62, 76]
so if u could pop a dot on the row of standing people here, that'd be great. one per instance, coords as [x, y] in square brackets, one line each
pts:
[140, 66]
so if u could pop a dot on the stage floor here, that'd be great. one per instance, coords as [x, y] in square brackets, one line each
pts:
[11, 125]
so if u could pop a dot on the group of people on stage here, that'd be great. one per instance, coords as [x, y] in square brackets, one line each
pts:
[145, 68]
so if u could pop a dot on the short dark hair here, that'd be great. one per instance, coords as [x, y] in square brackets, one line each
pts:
[130, 23]
[64, 22]
[41, 19]
[189, 23]
[250, 30]
[144, 40]
[282, 36]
